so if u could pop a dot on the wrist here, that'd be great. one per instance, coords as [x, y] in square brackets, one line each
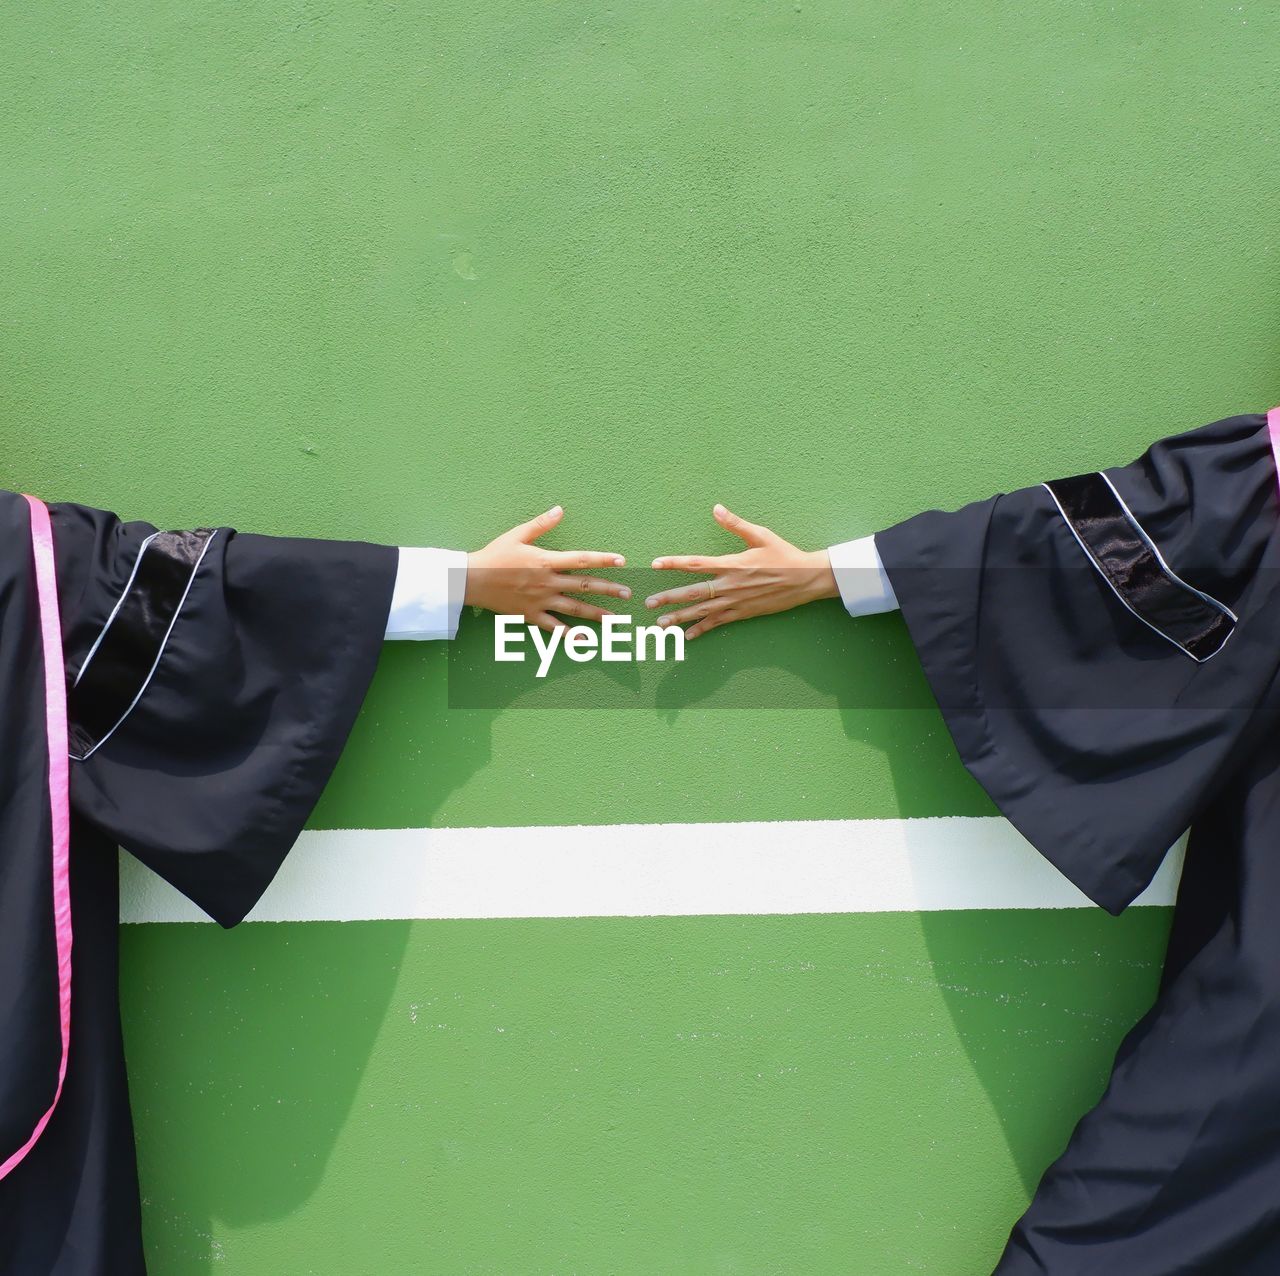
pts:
[473, 595]
[822, 579]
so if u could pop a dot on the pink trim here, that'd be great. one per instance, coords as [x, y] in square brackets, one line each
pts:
[1273, 429]
[55, 699]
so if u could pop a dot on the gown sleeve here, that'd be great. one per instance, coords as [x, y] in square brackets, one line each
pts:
[214, 677]
[1104, 648]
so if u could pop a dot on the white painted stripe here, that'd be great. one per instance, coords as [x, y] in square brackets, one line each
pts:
[644, 870]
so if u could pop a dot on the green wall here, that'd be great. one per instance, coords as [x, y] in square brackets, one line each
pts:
[414, 272]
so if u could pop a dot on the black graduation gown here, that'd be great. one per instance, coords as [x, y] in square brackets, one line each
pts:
[1105, 650]
[216, 678]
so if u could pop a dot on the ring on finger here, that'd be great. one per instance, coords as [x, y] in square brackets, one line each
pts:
[711, 590]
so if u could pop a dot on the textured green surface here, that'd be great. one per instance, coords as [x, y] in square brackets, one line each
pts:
[414, 272]
[411, 273]
[867, 1094]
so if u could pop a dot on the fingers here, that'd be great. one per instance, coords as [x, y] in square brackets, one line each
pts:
[752, 533]
[589, 585]
[713, 609]
[710, 622]
[687, 563]
[582, 560]
[702, 591]
[571, 560]
[539, 526]
[575, 607]
[544, 620]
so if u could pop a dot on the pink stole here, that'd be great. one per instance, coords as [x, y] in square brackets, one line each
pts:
[55, 698]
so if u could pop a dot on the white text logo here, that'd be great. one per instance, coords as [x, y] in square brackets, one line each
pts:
[615, 640]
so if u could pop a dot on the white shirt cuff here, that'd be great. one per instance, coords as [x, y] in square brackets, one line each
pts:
[427, 599]
[861, 578]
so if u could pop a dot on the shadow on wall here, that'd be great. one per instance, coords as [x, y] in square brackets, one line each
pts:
[291, 1107]
[1037, 1094]
[288, 1092]
[246, 1076]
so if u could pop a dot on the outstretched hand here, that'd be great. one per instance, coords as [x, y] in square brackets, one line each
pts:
[513, 576]
[769, 575]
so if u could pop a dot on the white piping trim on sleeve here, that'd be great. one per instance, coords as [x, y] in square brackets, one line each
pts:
[1097, 566]
[128, 585]
[164, 642]
[1151, 545]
